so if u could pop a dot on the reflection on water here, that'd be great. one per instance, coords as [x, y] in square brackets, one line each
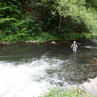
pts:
[29, 67]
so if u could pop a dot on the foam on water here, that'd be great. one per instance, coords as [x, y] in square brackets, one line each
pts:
[90, 47]
[23, 80]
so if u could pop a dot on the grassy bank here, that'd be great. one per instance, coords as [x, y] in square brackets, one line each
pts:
[55, 92]
[43, 37]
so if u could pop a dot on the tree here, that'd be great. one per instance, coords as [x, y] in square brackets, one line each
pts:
[76, 10]
[9, 13]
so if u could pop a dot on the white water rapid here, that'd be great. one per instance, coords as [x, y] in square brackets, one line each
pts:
[25, 79]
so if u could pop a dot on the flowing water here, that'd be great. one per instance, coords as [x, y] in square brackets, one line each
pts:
[26, 70]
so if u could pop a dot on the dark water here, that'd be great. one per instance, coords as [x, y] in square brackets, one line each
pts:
[61, 65]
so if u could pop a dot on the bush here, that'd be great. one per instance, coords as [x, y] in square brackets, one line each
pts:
[55, 92]
[43, 37]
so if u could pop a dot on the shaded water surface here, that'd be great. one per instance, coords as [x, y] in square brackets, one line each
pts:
[25, 69]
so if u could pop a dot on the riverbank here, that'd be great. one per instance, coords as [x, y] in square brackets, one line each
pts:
[87, 89]
[37, 42]
[50, 41]
[90, 86]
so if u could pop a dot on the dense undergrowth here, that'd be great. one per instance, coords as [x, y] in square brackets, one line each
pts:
[44, 20]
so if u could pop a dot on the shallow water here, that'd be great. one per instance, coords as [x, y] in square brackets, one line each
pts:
[26, 70]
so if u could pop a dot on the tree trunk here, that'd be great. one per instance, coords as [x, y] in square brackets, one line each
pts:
[0, 31]
[22, 1]
[60, 24]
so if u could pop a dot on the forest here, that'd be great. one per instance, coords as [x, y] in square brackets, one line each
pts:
[45, 20]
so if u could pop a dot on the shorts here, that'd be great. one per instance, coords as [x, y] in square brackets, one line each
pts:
[74, 49]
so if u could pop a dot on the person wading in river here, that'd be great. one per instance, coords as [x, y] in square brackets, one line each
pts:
[74, 46]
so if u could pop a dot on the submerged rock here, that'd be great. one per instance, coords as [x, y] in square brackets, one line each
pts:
[93, 62]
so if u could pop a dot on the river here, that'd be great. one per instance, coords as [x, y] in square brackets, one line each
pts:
[26, 69]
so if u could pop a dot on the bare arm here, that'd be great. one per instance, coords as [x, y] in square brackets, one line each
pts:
[71, 45]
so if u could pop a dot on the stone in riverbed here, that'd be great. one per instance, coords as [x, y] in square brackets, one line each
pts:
[32, 41]
[53, 42]
[91, 86]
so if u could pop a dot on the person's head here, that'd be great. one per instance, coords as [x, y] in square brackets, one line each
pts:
[74, 42]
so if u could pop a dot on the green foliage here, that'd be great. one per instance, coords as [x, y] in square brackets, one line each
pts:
[55, 92]
[22, 20]
[70, 36]
[9, 14]
[91, 3]
[76, 9]
[16, 26]
[43, 37]
[33, 26]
